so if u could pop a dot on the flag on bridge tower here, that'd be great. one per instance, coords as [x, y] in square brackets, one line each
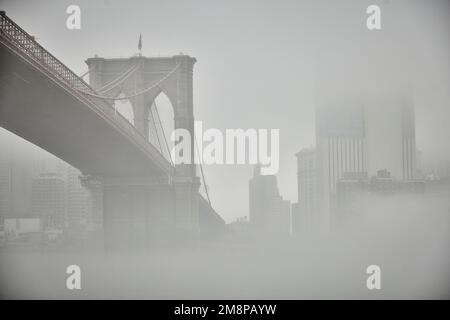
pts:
[140, 42]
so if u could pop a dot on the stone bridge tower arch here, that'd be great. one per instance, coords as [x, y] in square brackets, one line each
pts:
[178, 87]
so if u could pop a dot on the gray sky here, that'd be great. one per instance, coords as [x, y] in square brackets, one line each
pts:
[260, 63]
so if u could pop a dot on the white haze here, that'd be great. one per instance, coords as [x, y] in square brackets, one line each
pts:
[265, 64]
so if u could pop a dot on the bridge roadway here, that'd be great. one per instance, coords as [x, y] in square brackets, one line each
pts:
[86, 132]
[145, 201]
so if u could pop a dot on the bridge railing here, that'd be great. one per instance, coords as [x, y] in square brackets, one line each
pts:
[27, 45]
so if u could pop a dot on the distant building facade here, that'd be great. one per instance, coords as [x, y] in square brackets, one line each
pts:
[77, 211]
[362, 138]
[35, 184]
[303, 212]
[5, 189]
[48, 200]
[84, 204]
[269, 212]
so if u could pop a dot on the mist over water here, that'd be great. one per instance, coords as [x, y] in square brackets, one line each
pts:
[407, 237]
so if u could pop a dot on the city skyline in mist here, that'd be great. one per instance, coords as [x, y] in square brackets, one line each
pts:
[267, 65]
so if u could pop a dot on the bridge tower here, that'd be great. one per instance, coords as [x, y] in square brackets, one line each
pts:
[139, 207]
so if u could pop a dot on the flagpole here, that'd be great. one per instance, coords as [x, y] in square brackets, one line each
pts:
[140, 44]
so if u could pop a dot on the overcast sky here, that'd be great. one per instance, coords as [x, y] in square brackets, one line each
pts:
[263, 64]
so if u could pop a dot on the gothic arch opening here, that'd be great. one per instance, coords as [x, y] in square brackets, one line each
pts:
[161, 123]
[125, 108]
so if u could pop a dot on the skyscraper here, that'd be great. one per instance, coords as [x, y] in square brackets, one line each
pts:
[269, 212]
[84, 204]
[48, 200]
[362, 137]
[77, 206]
[303, 212]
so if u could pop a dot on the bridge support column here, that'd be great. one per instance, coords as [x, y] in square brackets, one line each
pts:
[141, 111]
[138, 215]
[187, 228]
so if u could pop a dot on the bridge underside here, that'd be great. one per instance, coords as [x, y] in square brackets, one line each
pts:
[38, 109]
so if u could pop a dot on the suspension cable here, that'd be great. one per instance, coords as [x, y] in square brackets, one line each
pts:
[123, 76]
[156, 84]
[84, 74]
[151, 134]
[156, 129]
[202, 173]
[120, 81]
[163, 132]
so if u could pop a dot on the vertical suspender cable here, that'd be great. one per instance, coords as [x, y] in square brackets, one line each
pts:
[163, 132]
[201, 171]
[156, 129]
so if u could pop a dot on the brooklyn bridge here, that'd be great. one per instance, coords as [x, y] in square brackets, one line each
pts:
[147, 199]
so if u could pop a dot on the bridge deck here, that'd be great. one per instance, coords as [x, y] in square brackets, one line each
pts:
[41, 102]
